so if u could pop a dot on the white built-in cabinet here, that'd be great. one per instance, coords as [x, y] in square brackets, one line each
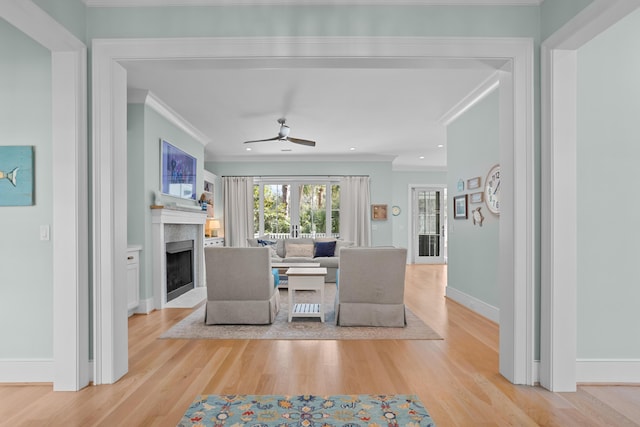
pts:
[133, 278]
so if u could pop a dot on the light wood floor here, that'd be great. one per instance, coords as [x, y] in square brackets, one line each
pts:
[456, 378]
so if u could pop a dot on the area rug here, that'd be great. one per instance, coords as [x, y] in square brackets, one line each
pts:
[307, 411]
[193, 327]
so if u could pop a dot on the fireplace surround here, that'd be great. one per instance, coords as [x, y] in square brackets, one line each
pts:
[169, 225]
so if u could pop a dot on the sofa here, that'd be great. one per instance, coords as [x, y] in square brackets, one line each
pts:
[237, 294]
[371, 287]
[323, 250]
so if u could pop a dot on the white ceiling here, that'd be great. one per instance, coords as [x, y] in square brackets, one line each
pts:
[383, 112]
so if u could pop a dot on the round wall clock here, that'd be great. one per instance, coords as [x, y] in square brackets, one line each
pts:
[492, 190]
[395, 210]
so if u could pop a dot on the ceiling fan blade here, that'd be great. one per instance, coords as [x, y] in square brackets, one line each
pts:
[275, 138]
[302, 141]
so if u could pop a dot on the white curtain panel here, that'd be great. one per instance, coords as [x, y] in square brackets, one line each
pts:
[355, 215]
[238, 210]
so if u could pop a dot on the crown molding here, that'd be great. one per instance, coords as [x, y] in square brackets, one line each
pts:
[475, 96]
[139, 96]
[162, 3]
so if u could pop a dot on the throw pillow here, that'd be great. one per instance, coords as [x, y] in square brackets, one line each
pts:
[262, 242]
[324, 249]
[299, 250]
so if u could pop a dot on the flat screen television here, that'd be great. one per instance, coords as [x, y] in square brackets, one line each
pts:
[177, 172]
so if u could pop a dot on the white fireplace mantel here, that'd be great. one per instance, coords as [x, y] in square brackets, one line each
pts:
[160, 217]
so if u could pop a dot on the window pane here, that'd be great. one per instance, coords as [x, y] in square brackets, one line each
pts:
[276, 209]
[313, 212]
[335, 210]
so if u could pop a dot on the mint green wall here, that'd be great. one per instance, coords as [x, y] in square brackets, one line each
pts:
[556, 13]
[608, 150]
[26, 263]
[70, 13]
[400, 190]
[313, 21]
[145, 128]
[472, 149]
[380, 173]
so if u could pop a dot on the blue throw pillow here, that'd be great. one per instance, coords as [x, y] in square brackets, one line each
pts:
[324, 249]
[265, 243]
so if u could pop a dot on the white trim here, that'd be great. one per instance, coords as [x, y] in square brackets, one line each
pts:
[158, 3]
[158, 105]
[26, 371]
[621, 371]
[478, 94]
[517, 276]
[145, 306]
[474, 304]
[558, 329]
[70, 214]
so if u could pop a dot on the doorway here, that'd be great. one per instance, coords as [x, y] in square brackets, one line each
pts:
[428, 225]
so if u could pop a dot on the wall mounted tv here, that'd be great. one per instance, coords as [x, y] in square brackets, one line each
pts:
[177, 172]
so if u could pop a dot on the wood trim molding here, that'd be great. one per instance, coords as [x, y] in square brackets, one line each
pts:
[474, 304]
[70, 214]
[517, 158]
[160, 3]
[475, 96]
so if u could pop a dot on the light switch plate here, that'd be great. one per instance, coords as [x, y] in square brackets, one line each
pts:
[44, 232]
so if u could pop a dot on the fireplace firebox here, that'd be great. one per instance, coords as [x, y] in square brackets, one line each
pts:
[179, 268]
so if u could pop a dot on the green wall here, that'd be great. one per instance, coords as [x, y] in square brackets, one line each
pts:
[556, 13]
[145, 128]
[26, 262]
[69, 13]
[314, 21]
[472, 149]
[608, 150]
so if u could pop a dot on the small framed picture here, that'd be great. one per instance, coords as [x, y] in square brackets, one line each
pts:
[473, 183]
[460, 207]
[379, 212]
[476, 197]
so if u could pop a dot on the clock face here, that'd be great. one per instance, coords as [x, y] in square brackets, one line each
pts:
[492, 190]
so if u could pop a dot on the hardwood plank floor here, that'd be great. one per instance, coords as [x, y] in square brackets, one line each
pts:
[456, 378]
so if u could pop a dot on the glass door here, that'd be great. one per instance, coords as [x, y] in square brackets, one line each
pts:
[428, 226]
[296, 209]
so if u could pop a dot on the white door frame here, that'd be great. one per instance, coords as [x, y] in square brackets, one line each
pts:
[70, 369]
[516, 156]
[559, 65]
[412, 255]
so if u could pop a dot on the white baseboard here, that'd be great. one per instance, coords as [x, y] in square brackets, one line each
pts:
[474, 304]
[608, 371]
[145, 307]
[26, 371]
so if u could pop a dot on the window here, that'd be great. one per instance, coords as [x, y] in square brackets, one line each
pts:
[300, 208]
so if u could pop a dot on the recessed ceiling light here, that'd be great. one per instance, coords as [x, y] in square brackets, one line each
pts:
[440, 145]
[248, 149]
[421, 157]
[286, 149]
[352, 149]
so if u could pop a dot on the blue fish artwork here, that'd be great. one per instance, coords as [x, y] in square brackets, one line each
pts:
[16, 175]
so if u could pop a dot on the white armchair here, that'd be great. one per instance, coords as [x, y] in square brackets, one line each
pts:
[240, 286]
[371, 287]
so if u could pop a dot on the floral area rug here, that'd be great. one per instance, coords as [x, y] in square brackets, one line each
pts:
[307, 411]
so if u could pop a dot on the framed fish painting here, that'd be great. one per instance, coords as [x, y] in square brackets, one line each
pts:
[16, 175]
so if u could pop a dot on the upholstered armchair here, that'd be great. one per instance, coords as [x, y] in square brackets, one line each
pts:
[371, 287]
[240, 286]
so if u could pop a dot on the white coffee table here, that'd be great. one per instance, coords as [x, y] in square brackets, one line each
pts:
[308, 279]
[284, 266]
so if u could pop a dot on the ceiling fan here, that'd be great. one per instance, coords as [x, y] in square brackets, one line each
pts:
[283, 135]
